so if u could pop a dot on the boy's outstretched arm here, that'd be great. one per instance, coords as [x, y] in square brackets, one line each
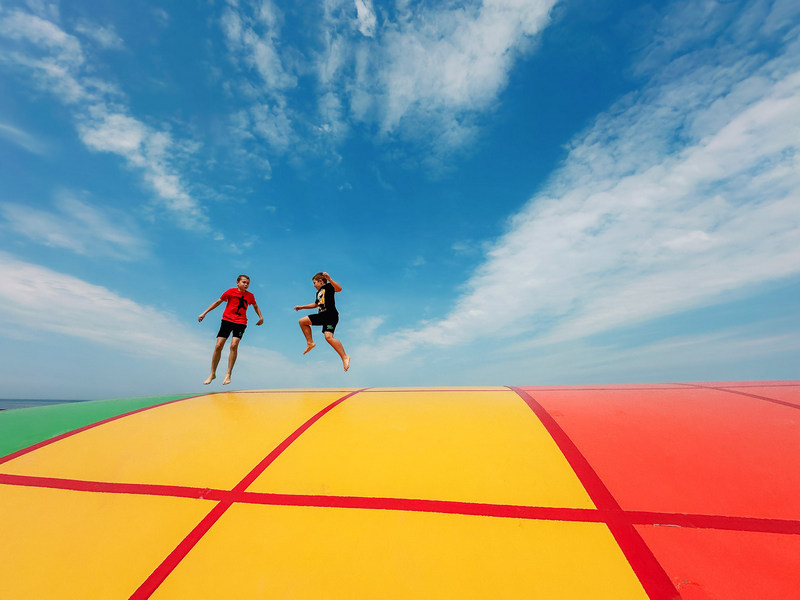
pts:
[306, 306]
[258, 312]
[209, 309]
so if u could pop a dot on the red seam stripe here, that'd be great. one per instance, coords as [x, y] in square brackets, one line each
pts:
[610, 388]
[260, 467]
[168, 565]
[541, 513]
[695, 521]
[751, 384]
[651, 574]
[162, 571]
[450, 507]
[286, 391]
[138, 489]
[740, 393]
[58, 438]
[411, 390]
[545, 513]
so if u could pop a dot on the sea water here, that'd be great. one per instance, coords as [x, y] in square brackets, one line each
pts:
[8, 403]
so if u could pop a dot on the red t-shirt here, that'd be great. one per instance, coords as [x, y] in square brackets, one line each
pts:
[238, 301]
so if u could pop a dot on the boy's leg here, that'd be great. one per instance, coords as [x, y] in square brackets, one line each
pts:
[215, 359]
[234, 352]
[337, 345]
[305, 325]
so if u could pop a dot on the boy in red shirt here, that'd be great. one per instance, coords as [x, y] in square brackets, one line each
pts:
[234, 321]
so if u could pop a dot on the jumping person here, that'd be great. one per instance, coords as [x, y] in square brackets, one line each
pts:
[327, 316]
[234, 321]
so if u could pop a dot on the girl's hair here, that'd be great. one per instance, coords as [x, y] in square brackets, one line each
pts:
[239, 278]
[319, 276]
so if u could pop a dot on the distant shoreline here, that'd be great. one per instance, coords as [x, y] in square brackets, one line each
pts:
[11, 403]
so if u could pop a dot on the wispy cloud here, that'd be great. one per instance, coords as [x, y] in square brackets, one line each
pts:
[161, 16]
[77, 226]
[680, 195]
[367, 21]
[57, 63]
[105, 36]
[439, 65]
[697, 357]
[104, 129]
[420, 73]
[252, 33]
[22, 139]
[63, 49]
[56, 303]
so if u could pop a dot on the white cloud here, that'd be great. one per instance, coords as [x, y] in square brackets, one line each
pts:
[332, 116]
[423, 75]
[76, 226]
[247, 146]
[465, 247]
[698, 357]
[161, 16]
[53, 57]
[57, 62]
[116, 133]
[638, 223]
[57, 303]
[22, 139]
[105, 36]
[735, 345]
[47, 9]
[439, 65]
[367, 328]
[52, 77]
[273, 125]
[252, 33]
[64, 49]
[103, 130]
[367, 21]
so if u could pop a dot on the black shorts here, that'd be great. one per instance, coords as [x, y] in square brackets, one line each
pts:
[227, 327]
[327, 321]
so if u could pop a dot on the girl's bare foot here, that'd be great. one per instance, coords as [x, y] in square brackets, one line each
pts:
[346, 362]
[227, 379]
[309, 347]
[211, 378]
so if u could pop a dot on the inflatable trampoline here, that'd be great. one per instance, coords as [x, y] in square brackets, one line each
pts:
[621, 492]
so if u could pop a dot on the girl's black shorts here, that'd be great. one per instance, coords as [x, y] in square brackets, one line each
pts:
[327, 321]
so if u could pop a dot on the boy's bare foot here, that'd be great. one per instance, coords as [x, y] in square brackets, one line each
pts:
[227, 379]
[346, 362]
[211, 378]
[309, 347]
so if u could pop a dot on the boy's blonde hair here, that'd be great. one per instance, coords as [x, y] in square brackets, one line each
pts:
[320, 276]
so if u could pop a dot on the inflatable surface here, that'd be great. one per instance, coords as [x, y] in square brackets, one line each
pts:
[666, 491]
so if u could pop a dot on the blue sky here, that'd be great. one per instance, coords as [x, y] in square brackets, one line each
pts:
[509, 191]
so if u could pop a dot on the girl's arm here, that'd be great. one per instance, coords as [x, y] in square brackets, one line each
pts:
[336, 287]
